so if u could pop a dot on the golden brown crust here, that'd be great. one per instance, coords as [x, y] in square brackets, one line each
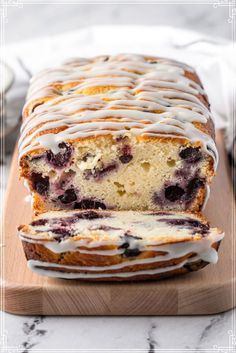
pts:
[40, 253]
[180, 271]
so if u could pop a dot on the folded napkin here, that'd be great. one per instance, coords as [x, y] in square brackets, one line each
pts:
[213, 59]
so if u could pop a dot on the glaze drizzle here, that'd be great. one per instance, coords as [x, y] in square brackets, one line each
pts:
[143, 98]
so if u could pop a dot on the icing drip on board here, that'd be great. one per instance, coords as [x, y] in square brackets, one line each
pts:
[144, 99]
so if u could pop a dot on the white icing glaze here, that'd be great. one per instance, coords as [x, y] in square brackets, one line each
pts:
[160, 102]
[207, 195]
[202, 247]
[33, 265]
[26, 185]
[28, 198]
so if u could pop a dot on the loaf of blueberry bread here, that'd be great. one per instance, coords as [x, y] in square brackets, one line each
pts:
[125, 132]
[118, 245]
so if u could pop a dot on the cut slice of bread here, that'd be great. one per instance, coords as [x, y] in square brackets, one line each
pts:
[118, 245]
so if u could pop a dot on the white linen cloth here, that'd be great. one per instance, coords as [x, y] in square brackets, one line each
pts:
[214, 59]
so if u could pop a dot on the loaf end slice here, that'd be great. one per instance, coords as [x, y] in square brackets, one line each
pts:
[104, 245]
[118, 132]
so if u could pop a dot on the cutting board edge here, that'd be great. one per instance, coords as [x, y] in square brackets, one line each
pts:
[17, 296]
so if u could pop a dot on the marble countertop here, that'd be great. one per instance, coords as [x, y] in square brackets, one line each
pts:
[120, 334]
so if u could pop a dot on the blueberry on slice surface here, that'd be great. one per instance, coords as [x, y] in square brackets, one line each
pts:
[88, 215]
[40, 183]
[39, 222]
[191, 154]
[131, 252]
[69, 196]
[98, 174]
[126, 155]
[194, 224]
[125, 159]
[61, 233]
[173, 193]
[62, 158]
[89, 203]
[192, 188]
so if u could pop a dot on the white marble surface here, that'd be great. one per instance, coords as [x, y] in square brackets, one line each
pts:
[82, 334]
[147, 334]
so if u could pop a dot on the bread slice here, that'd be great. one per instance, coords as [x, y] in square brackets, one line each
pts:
[118, 132]
[118, 245]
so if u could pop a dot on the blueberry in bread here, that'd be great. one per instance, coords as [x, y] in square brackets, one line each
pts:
[124, 132]
[118, 245]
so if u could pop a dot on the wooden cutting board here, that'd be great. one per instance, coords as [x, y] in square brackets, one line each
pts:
[205, 292]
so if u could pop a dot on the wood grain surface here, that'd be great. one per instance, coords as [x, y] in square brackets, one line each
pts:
[208, 291]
